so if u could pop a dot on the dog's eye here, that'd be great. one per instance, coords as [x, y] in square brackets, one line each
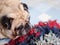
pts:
[25, 7]
[6, 22]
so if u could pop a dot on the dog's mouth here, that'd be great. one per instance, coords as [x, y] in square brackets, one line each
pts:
[21, 30]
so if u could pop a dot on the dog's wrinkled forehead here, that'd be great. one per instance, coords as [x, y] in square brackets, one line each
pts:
[14, 7]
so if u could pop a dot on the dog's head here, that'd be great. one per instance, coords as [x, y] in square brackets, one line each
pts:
[14, 18]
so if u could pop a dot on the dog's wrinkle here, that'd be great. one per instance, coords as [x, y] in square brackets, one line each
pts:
[6, 22]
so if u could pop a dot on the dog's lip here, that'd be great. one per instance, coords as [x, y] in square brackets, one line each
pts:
[13, 36]
[16, 37]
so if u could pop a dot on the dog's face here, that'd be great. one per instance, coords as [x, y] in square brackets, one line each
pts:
[14, 19]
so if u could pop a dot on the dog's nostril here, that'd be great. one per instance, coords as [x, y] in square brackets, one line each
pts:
[19, 28]
[27, 26]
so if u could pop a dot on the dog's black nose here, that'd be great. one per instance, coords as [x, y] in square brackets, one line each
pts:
[27, 26]
[19, 28]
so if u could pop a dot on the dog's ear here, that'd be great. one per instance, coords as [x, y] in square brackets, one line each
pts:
[6, 22]
[25, 7]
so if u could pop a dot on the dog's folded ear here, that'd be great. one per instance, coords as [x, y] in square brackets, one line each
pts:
[25, 6]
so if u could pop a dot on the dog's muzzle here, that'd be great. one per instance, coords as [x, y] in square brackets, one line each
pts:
[22, 28]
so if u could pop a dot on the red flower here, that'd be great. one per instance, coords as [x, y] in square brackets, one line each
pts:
[31, 32]
[52, 23]
[22, 38]
[37, 34]
[41, 24]
[12, 42]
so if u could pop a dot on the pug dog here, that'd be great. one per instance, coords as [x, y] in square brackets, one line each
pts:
[14, 18]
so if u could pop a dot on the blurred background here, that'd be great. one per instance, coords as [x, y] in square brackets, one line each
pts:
[43, 10]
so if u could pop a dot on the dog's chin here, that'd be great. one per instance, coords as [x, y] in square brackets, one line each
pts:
[7, 34]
